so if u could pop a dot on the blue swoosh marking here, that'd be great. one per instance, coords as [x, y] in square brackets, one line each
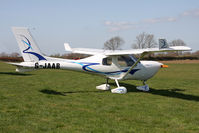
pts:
[85, 67]
[27, 43]
[40, 57]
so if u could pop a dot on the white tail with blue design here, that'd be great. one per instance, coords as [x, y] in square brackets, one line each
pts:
[27, 45]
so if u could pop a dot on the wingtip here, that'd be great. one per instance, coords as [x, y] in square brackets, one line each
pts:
[67, 47]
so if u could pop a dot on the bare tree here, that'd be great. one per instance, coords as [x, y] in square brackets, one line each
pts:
[114, 43]
[196, 54]
[14, 54]
[3, 54]
[177, 42]
[144, 40]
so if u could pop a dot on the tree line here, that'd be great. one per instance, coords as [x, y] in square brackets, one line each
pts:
[143, 40]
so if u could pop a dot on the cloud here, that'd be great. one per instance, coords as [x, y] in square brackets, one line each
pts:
[193, 13]
[118, 26]
[160, 20]
[125, 25]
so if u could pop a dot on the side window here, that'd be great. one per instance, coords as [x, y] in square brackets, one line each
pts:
[121, 61]
[125, 61]
[107, 61]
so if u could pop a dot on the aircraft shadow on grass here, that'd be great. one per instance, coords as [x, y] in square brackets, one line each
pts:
[53, 92]
[173, 93]
[16, 73]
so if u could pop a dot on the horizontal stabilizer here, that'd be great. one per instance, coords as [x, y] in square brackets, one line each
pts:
[23, 64]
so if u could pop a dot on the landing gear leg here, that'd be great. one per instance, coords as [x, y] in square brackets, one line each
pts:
[119, 89]
[104, 86]
[107, 82]
[144, 82]
[145, 87]
[117, 83]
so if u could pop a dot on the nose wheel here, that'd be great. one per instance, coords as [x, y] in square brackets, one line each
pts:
[145, 87]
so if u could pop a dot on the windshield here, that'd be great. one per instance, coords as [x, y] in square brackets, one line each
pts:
[126, 60]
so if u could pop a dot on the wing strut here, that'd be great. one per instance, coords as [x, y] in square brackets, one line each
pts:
[134, 65]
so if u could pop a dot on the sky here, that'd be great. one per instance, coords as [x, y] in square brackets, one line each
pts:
[90, 23]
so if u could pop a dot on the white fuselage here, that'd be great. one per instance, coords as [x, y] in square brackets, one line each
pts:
[143, 71]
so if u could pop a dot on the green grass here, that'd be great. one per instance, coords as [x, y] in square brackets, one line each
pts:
[67, 101]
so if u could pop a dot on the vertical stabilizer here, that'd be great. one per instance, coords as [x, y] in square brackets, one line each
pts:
[163, 43]
[27, 45]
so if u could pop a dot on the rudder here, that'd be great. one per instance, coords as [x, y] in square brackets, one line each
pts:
[27, 45]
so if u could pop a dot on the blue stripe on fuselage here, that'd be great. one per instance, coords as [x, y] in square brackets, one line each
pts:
[85, 67]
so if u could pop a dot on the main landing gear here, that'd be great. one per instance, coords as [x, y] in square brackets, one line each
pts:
[145, 87]
[119, 89]
[104, 86]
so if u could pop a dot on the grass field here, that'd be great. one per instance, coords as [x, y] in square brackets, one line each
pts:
[67, 101]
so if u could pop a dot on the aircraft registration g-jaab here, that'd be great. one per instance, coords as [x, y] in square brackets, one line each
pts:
[116, 65]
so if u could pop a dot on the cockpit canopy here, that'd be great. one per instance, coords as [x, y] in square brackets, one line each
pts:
[122, 61]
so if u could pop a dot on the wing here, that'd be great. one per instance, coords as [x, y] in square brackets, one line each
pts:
[101, 51]
[125, 52]
[148, 50]
[83, 50]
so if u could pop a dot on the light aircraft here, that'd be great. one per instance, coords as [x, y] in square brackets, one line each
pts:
[116, 65]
